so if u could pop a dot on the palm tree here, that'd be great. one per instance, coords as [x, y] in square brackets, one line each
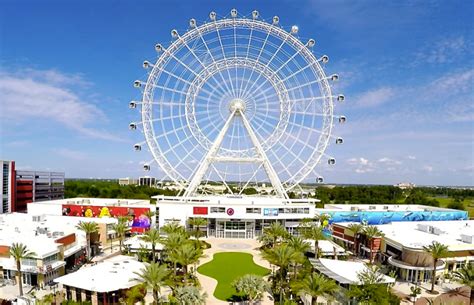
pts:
[120, 228]
[356, 228]
[315, 233]
[136, 294]
[372, 232]
[19, 251]
[88, 228]
[273, 234]
[173, 227]
[196, 223]
[152, 236]
[300, 246]
[251, 286]
[186, 255]
[171, 243]
[437, 251]
[190, 295]
[281, 256]
[316, 285]
[153, 276]
[465, 275]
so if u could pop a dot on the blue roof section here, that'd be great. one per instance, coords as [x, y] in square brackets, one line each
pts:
[383, 217]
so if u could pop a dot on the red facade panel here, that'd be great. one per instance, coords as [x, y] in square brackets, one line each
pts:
[200, 210]
[66, 240]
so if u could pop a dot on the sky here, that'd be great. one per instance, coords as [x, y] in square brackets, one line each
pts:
[406, 69]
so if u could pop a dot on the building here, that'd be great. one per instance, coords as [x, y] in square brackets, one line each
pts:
[104, 283]
[22, 187]
[7, 182]
[33, 186]
[100, 208]
[55, 242]
[405, 185]
[235, 216]
[381, 214]
[147, 181]
[403, 242]
[127, 181]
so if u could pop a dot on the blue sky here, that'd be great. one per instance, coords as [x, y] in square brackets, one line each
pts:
[406, 69]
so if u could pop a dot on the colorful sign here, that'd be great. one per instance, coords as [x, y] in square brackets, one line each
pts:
[139, 221]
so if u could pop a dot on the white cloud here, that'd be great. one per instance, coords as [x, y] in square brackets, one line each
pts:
[428, 168]
[374, 98]
[36, 94]
[411, 157]
[389, 161]
[71, 154]
[443, 51]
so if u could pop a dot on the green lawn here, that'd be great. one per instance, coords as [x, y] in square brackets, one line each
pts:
[468, 204]
[228, 266]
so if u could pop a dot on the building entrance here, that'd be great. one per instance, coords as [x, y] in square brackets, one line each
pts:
[235, 228]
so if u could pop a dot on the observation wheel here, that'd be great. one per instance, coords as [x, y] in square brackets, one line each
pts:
[237, 100]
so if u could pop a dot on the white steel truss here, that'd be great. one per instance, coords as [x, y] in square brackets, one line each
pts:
[212, 156]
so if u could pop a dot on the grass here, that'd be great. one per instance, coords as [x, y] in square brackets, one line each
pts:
[226, 267]
[468, 204]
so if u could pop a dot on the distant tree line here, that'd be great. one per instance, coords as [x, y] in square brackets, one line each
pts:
[111, 189]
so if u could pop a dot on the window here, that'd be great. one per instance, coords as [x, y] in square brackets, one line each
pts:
[253, 210]
[50, 259]
[217, 210]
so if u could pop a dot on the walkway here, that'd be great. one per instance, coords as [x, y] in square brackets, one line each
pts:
[229, 245]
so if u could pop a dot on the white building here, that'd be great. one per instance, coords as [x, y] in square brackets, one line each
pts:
[7, 185]
[235, 216]
[104, 283]
[54, 240]
[127, 181]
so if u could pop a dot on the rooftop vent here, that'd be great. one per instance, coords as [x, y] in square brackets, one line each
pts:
[469, 239]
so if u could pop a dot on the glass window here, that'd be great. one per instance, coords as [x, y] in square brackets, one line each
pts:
[217, 210]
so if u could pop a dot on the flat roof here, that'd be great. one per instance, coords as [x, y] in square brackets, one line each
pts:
[327, 247]
[40, 236]
[98, 201]
[112, 274]
[380, 208]
[344, 272]
[417, 234]
[234, 200]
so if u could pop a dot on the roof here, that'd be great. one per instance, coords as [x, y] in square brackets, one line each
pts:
[423, 233]
[135, 242]
[235, 199]
[99, 201]
[327, 247]
[344, 272]
[110, 275]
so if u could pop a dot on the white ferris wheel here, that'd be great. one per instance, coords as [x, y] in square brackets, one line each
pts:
[238, 100]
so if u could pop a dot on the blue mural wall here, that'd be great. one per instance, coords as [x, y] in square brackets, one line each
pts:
[383, 217]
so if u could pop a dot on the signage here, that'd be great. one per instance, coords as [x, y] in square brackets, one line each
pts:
[230, 211]
[200, 210]
[270, 212]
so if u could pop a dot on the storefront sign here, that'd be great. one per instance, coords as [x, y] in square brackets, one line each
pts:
[270, 212]
[230, 211]
[200, 210]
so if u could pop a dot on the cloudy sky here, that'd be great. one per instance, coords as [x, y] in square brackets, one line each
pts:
[406, 69]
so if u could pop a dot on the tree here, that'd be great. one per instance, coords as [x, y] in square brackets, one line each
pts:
[136, 294]
[370, 294]
[196, 223]
[372, 232]
[465, 275]
[153, 237]
[316, 285]
[120, 228]
[172, 227]
[437, 251]
[370, 275]
[153, 276]
[356, 228]
[315, 233]
[190, 295]
[19, 251]
[185, 255]
[171, 243]
[88, 228]
[456, 204]
[281, 256]
[251, 286]
[300, 246]
[273, 234]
